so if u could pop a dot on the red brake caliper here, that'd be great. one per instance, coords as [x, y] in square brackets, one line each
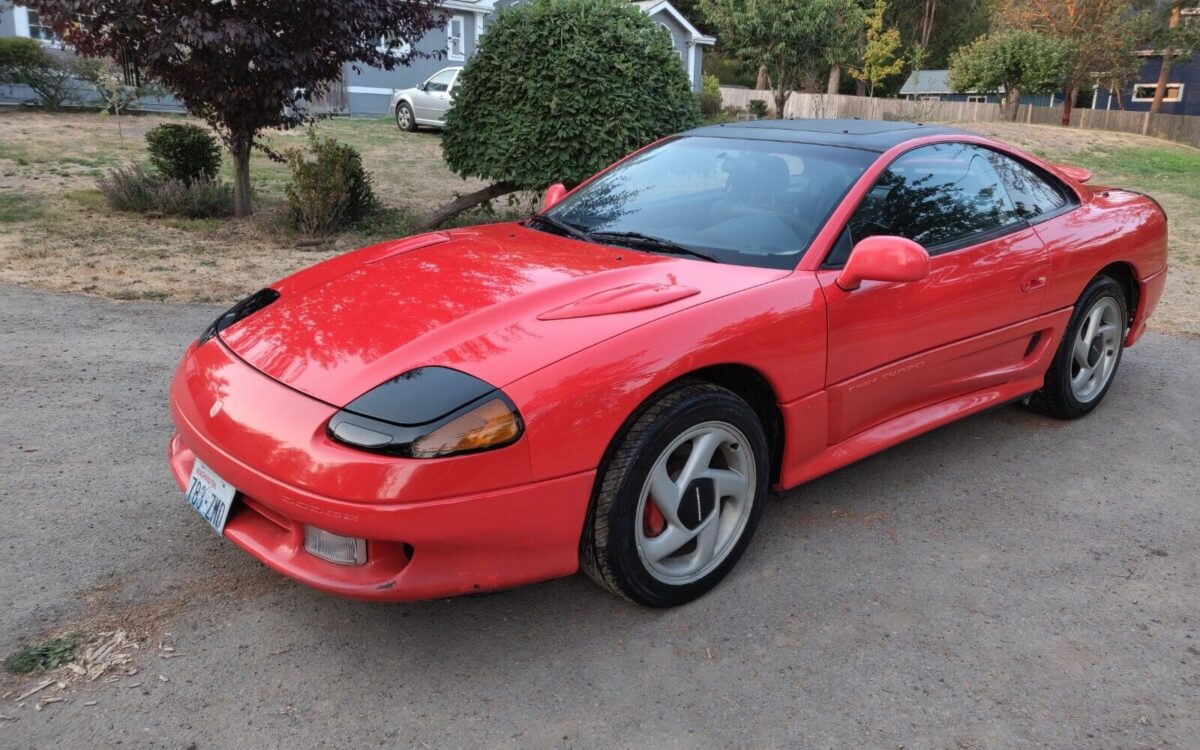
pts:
[653, 521]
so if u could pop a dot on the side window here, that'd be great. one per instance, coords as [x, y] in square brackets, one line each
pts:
[936, 195]
[1032, 194]
[440, 81]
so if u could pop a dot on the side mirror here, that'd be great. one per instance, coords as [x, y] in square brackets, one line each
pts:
[554, 194]
[884, 258]
[422, 87]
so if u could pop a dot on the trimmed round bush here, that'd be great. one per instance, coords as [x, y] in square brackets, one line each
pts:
[559, 89]
[183, 152]
[329, 191]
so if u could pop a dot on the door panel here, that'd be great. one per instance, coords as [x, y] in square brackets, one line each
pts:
[969, 292]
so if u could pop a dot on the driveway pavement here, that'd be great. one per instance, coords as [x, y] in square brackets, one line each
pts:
[1007, 581]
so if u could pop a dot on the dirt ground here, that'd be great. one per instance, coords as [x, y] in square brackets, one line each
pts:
[1007, 581]
[56, 232]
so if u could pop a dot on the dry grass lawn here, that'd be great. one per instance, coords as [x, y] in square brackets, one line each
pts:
[56, 232]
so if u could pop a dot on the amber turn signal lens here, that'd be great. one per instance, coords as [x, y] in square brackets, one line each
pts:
[485, 426]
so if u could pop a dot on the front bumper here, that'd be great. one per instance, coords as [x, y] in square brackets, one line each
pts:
[459, 542]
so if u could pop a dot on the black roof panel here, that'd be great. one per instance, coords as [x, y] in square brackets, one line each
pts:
[873, 135]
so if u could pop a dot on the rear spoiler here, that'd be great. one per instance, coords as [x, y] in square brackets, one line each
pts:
[1079, 174]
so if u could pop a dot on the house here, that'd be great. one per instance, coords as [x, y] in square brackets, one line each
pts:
[368, 91]
[1182, 96]
[934, 85]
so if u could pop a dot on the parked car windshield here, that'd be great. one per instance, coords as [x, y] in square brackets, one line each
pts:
[744, 202]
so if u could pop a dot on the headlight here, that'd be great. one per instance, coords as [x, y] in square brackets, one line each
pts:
[426, 413]
[243, 309]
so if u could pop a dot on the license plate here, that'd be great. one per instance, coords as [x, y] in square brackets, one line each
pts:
[210, 495]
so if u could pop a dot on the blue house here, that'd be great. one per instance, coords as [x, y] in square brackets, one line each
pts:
[369, 90]
[1182, 96]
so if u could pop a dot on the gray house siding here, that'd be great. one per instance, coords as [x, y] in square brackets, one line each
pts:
[8, 25]
[370, 89]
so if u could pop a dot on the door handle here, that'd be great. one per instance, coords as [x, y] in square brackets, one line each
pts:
[1035, 279]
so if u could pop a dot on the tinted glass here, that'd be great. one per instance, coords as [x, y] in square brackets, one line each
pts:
[937, 196]
[1032, 194]
[744, 202]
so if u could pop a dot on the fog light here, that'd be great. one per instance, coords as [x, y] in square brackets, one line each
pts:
[339, 550]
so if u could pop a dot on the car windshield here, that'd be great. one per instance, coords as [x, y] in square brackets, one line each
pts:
[744, 202]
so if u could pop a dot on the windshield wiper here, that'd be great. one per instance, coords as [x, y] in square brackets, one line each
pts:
[648, 242]
[562, 226]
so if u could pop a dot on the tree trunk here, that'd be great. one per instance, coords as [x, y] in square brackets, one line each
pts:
[1068, 102]
[1164, 75]
[1164, 72]
[781, 97]
[927, 22]
[1013, 95]
[466, 202]
[240, 148]
[835, 79]
[1120, 101]
[764, 81]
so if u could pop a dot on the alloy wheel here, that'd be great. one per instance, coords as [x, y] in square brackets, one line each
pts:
[695, 503]
[1095, 349]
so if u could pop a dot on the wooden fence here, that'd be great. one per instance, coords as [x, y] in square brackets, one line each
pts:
[1179, 128]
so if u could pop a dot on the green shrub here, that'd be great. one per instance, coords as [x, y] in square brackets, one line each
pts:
[199, 199]
[710, 103]
[132, 189]
[329, 191]
[129, 188]
[558, 89]
[710, 83]
[25, 62]
[758, 108]
[183, 152]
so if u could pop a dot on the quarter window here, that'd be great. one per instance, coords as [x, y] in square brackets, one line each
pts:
[1032, 194]
[938, 196]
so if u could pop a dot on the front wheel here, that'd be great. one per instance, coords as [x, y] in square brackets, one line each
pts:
[405, 120]
[679, 497]
[1086, 362]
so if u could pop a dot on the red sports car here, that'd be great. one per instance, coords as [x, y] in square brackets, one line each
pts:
[616, 383]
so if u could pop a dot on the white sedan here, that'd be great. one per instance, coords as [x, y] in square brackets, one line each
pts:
[426, 104]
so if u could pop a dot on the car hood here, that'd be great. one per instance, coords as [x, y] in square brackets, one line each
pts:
[498, 302]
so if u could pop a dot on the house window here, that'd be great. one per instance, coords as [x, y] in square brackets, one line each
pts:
[929, 98]
[38, 30]
[977, 99]
[456, 38]
[394, 44]
[1144, 92]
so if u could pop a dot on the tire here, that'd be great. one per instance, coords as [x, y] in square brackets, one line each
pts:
[628, 538]
[405, 119]
[1069, 392]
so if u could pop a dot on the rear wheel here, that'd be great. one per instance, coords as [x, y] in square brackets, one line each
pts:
[405, 120]
[1086, 362]
[679, 497]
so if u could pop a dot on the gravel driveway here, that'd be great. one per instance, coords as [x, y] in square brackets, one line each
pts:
[1008, 581]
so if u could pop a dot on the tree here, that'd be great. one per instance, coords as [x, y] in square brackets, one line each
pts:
[243, 67]
[881, 53]
[1097, 31]
[26, 62]
[796, 40]
[557, 90]
[1014, 62]
[940, 27]
[1176, 41]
